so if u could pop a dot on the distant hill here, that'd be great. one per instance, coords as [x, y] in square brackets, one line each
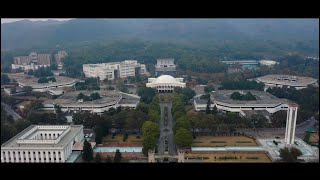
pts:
[26, 34]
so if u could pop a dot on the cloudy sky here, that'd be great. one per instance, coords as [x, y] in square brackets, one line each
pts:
[8, 20]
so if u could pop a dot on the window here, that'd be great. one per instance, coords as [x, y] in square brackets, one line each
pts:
[34, 152]
[28, 152]
[14, 152]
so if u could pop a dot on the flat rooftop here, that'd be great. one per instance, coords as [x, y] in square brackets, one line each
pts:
[288, 80]
[23, 135]
[261, 96]
[70, 98]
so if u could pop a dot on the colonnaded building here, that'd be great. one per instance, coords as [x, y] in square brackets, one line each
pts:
[165, 83]
[278, 80]
[42, 144]
[265, 102]
[70, 102]
[114, 70]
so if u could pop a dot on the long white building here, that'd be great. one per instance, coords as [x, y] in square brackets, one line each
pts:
[165, 83]
[277, 80]
[61, 82]
[114, 70]
[42, 144]
[109, 99]
[222, 100]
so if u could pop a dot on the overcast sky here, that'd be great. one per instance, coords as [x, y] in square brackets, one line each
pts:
[8, 20]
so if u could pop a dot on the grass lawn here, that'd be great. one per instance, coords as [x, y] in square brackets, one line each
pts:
[221, 141]
[250, 158]
[132, 139]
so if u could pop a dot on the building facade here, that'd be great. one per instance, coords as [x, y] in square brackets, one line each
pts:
[114, 70]
[31, 62]
[42, 144]
[58, 57]
[109, 99]
[264, 102]
[165, 83]
[165, 67]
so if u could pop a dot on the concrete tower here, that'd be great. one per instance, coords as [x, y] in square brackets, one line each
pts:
[291, 124]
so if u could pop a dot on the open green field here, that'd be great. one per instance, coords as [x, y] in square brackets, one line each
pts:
[231, 157]
[221, 141]
[132, 139]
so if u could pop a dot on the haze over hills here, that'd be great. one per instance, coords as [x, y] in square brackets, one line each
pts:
[26, 34]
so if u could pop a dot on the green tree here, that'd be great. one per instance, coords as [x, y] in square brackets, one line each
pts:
[27, 89]
[214, 110]
[80, 96]
[87, 154]
[4, 79]
[208, 111]
[108, 159]
[151, 135]
[290, 155]
[117, 156]
[183, 138]
[98, 158]
[208, 89]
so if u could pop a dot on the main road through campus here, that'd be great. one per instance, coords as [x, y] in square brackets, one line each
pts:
[166, 131]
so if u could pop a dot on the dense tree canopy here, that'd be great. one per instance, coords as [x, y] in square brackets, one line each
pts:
[183, 138]
[87, 154]
[242, 85]
[151, 133]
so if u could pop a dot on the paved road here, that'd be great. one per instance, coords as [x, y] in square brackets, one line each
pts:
[280, 132]
[11, 112]
[166, 131]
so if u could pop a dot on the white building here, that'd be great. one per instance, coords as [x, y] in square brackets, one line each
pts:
[114, 70]
[222, 100]
[165, 66]
[26, 67]
[268, 62]
[165, 83]
[277, 80]
[42, 144]
[109, 99]
[61, 82]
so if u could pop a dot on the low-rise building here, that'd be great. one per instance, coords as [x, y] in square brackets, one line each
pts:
[109, 99]
[42, 144]
[61, 81]
[222, 100]
[277, 80]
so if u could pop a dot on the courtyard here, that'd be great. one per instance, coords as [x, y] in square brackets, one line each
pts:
[132, 139]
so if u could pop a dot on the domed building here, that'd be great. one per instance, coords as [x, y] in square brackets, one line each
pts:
[165, 83]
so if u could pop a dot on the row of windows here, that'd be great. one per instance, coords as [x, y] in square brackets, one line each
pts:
[24, 152]
[30, 159]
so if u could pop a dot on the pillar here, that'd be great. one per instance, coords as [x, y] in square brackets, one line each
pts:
[291, 124]
[151, 157]
[181, 156]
